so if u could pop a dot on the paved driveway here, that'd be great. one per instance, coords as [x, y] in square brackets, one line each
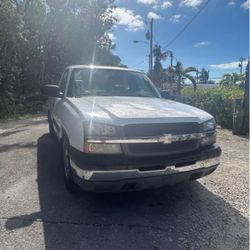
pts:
[36, 211]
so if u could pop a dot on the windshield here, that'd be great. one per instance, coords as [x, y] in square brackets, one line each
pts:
[108, 82]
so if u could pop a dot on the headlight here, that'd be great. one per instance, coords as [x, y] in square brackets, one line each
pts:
[209, 128]
[100, 148]
[98, 129]
[209, 125]
[210, 139]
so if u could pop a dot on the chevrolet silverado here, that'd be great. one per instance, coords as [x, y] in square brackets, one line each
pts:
[118, 133]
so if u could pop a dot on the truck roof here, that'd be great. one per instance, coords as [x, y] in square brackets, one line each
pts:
[101, 67]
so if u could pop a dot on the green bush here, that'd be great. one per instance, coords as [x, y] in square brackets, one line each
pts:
[11, 109]
[7, 107]
[216, 101]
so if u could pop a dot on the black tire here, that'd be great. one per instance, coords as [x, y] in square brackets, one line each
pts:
[51, 128]
[67, 169]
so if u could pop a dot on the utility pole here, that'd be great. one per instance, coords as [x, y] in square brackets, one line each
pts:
[151, 45]
[241, 64]
[149, 36]
[171, 58]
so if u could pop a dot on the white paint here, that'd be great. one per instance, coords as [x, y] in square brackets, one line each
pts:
[115, 108]
[73, 114]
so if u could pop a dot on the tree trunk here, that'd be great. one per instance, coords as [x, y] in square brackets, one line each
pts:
[195, 87]
[179, 85]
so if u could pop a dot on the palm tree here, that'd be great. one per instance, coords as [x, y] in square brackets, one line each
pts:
[181, 73]
[204, 76]
[230, 80]
[157, 73]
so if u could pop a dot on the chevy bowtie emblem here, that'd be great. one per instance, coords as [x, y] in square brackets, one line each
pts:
[166, 139]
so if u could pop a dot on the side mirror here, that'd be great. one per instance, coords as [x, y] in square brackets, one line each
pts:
[52, 91]
[165, 94]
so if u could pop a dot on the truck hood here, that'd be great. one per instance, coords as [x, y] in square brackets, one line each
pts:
[123, 108]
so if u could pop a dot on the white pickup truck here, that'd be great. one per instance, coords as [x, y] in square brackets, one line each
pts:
[118, 133]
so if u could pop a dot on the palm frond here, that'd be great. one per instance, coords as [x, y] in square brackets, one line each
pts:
[190, 69]
[226, 76]
[192, 80]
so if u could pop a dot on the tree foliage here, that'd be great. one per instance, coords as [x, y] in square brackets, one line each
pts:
[174, 77]
[233, 79]
[39, 38]
[203, 76]
[158, 75]
[217, 101]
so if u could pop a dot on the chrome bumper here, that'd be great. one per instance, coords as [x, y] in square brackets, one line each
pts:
[119, 175]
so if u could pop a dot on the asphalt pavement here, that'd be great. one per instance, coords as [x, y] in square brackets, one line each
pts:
[37, 212]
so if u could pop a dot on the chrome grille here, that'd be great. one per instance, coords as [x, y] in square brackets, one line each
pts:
[159, 129]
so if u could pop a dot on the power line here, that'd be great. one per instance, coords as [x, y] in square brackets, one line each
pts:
[137, 64]
[180, 32]
[186, 26]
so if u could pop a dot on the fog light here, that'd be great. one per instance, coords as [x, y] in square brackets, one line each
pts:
[99, 148]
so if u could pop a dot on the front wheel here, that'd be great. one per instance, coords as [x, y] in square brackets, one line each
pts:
[68, 178]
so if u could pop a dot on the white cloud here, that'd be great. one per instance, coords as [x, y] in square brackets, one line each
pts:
[128, 18]
[231, 65]
[166, 5]
[147, 1]
[231, 3]
[175, 18]
[162, 5]
[191, 3]
[245, 5]
[202, 44]
[153, 15]
[111, 36]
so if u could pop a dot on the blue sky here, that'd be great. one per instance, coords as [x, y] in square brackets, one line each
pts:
[215, 40]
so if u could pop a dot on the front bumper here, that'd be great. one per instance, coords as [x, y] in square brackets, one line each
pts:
[147, 174]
